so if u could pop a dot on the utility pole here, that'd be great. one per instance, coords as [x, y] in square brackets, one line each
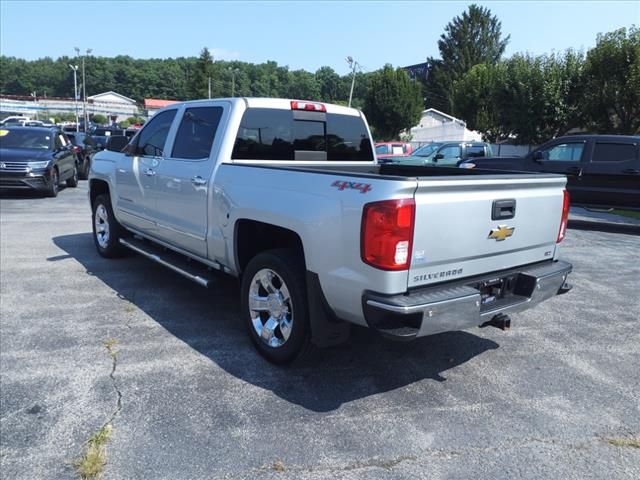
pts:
[233, 81]
[353, 65]
[84, 89]
[75, 91]
[209, 88]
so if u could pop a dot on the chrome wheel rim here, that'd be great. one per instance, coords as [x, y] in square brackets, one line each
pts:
[271, 308]
[54, 181]
[101, 222]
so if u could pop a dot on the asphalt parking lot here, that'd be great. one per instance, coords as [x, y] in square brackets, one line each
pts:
[558, 396]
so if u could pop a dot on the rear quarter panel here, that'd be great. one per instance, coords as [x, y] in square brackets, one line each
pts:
[326, 219]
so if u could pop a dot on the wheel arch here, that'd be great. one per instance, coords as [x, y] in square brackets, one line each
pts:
[252, 237]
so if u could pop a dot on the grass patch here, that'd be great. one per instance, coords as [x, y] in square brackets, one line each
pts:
[111, 347]
[624, 442]
[627, 213]
[278, 466]
[94, 458]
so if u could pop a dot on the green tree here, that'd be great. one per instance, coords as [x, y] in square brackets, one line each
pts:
[99, 119]
[474, 97]
[199, 79]
[393, 102]
[469, 39]
[611, 80]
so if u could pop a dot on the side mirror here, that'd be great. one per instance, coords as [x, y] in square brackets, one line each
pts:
[538, 156]
[116, 143]
[437, 156]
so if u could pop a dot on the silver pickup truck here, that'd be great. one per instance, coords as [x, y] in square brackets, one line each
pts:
[288, 196]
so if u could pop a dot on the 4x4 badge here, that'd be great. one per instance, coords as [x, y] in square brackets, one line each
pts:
[501, 233]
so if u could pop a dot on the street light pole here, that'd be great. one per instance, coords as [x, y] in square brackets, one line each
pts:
[84, 89]
[353, 65]
[75, 90]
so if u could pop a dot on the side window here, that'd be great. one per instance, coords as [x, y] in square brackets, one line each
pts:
[196, 133]
[382, 149]
[614, 152]
[153, 136]
[564, 152]
[450, 151]
[475, 151]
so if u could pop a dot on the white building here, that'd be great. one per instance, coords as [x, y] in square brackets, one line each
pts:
[436, 126]
[109, 104]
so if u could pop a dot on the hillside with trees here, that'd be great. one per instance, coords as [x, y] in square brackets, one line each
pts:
[525, 98]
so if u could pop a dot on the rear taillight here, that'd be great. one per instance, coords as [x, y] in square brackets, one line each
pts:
[76, 149]
[387, 233]
[565, 217]
[309, 106]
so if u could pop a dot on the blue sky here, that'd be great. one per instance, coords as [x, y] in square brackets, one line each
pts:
[298, 34]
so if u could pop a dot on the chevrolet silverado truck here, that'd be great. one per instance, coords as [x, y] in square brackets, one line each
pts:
[288, 196]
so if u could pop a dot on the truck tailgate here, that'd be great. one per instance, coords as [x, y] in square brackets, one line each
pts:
[455, 235]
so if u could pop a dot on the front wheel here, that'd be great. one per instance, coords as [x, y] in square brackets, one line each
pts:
[274, 305]
[54, 184]
[107, 232]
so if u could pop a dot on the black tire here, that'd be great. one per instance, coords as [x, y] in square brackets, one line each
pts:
[83, 174]
[72, 181]
[288, 265]
[54, 184]
[107, 245]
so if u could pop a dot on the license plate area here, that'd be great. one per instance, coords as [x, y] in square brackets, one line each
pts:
[497, 289]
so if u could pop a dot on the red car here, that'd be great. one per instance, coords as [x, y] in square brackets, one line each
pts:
[393, 149]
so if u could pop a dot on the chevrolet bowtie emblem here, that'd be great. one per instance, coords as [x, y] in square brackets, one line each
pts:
[501, 232]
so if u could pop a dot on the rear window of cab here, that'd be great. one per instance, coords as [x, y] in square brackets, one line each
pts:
[289, 135]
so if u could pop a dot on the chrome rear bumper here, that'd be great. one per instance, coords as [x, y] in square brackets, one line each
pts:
[467, 303]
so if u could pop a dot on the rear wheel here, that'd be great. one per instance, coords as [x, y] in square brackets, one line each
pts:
[72, 181]
[107, 232]
[54, 184]
[274, 305]
[84, 169]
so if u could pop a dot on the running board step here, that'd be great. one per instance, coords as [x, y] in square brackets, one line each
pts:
[192, 270]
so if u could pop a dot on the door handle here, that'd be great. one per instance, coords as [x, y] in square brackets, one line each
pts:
[632, 171]
[198, 181]
[149, 172]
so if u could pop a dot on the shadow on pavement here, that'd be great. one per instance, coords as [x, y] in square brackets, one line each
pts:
[208, 320]
[603, 226]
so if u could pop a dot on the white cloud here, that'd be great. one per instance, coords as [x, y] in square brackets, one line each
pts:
[224, 54]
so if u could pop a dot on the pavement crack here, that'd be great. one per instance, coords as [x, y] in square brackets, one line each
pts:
[94, 456]
[113, 354]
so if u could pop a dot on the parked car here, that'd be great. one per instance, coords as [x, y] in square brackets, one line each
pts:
[14, 120]
[101, 135]
[36, 158]
[288, 196]
[85, 147]
[445, 153]
[392, 149]
[603, 171]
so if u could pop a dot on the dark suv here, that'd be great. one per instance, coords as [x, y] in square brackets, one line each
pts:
[36, 158]
[602, 170]
[444, 153]
[85, 147]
